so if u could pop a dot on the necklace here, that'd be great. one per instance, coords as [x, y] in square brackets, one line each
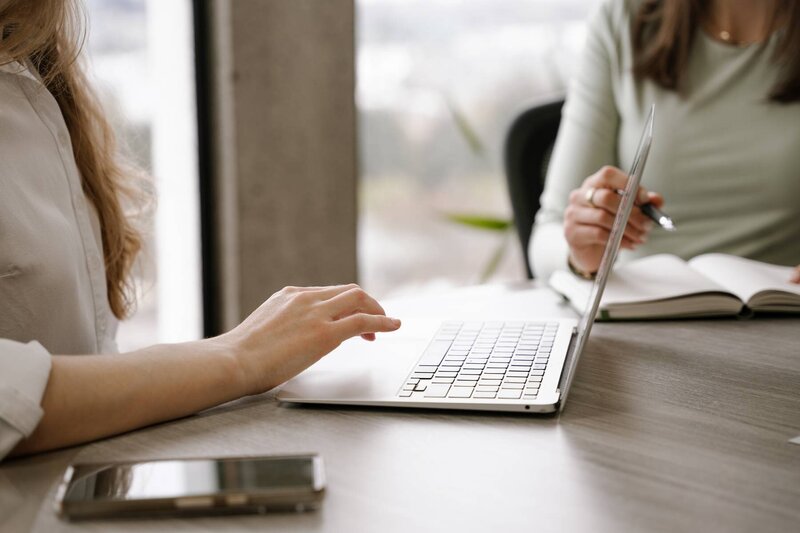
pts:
[725, 35]
[721, 34]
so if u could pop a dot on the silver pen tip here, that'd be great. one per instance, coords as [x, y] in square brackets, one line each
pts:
[667, 223]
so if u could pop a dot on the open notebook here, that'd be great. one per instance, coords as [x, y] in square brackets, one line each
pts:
[666, 286]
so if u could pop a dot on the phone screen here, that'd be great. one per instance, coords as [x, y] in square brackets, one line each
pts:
[191, 477]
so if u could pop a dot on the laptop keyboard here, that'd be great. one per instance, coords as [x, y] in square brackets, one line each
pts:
[491, 360]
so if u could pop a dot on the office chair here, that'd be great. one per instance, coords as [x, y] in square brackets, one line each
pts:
[528, 145]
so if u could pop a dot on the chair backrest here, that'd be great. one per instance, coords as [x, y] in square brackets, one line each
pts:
[528, 145]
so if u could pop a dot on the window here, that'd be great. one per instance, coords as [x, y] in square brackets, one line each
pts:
[142, 62]
[439, 82]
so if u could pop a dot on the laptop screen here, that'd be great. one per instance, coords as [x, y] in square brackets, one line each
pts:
[609, 256]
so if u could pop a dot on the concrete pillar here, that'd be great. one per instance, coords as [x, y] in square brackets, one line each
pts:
[284, 137]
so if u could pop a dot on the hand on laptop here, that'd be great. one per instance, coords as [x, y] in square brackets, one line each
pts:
[297, 326]
[590, 215]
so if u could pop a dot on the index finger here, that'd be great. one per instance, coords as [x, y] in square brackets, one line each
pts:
[363, 323]
[610, 177]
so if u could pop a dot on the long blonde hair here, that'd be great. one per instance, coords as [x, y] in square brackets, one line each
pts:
[48, 34]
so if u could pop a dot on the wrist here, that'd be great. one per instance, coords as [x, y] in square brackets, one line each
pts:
[579, 271]
[227, 351]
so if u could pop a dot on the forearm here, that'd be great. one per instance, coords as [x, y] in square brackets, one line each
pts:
[548, 249]
[94, 396]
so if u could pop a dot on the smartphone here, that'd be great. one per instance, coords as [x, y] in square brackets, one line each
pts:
[187, 487]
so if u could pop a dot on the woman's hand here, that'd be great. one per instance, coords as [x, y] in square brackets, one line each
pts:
[288, 333]
[795, 277]
[297, 326]
[590, 215]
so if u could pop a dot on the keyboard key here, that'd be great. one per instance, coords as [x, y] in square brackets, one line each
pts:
[443, 380]
[486, 395]
[515, 380]
[437, 390]
[497, 371]
[512, 386]
[421, 375]
[485, 388]
[405, 393]
[460, 392]
[434, 354]
[509, 395]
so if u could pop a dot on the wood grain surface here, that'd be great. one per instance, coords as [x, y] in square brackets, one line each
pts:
[670, 426]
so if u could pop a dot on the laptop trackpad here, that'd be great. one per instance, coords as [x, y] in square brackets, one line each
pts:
[360, 370]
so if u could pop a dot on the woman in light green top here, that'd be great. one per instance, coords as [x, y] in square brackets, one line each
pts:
[725, 80]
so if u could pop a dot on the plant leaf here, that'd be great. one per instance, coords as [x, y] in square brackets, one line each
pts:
[480, 221]
[465, 128]
[494, 261]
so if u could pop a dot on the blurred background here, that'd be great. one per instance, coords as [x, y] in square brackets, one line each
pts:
[438, 84]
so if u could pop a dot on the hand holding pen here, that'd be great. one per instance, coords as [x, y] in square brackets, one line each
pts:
[590, 215]
[654, 213]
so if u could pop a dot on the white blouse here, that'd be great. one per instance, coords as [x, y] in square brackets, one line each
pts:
[52, 276]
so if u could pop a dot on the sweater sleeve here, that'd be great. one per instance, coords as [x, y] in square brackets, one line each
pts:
[24, 372]
[587, 137]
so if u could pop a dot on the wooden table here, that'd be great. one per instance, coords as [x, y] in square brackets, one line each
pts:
[670, 426]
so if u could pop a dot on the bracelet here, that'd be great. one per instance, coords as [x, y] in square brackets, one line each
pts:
[578, 272]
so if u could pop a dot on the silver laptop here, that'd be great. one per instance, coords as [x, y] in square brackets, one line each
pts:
[520, 365]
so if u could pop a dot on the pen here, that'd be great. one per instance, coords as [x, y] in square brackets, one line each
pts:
[655, 214]
[661, 218]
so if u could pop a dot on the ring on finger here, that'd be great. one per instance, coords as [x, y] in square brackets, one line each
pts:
[590, 196]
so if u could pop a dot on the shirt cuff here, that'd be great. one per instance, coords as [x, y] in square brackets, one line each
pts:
[24, 372]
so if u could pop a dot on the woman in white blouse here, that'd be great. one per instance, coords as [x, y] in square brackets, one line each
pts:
[66, 250]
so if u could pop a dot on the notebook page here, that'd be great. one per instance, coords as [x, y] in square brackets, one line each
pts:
[744, 277]
[652, 278]
[656, 277]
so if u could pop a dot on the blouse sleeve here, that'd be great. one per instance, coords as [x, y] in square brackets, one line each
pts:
[586, 141]
[24, 372]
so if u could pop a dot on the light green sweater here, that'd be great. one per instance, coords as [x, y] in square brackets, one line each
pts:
[725, 158]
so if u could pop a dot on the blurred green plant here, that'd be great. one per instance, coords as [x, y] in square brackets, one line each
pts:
[499, 225]
[481, 222]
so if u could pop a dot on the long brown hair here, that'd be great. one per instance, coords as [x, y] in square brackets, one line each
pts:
[48, 35]
[663, 31]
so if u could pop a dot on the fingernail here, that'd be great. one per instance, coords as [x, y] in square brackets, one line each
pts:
[396, 322]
